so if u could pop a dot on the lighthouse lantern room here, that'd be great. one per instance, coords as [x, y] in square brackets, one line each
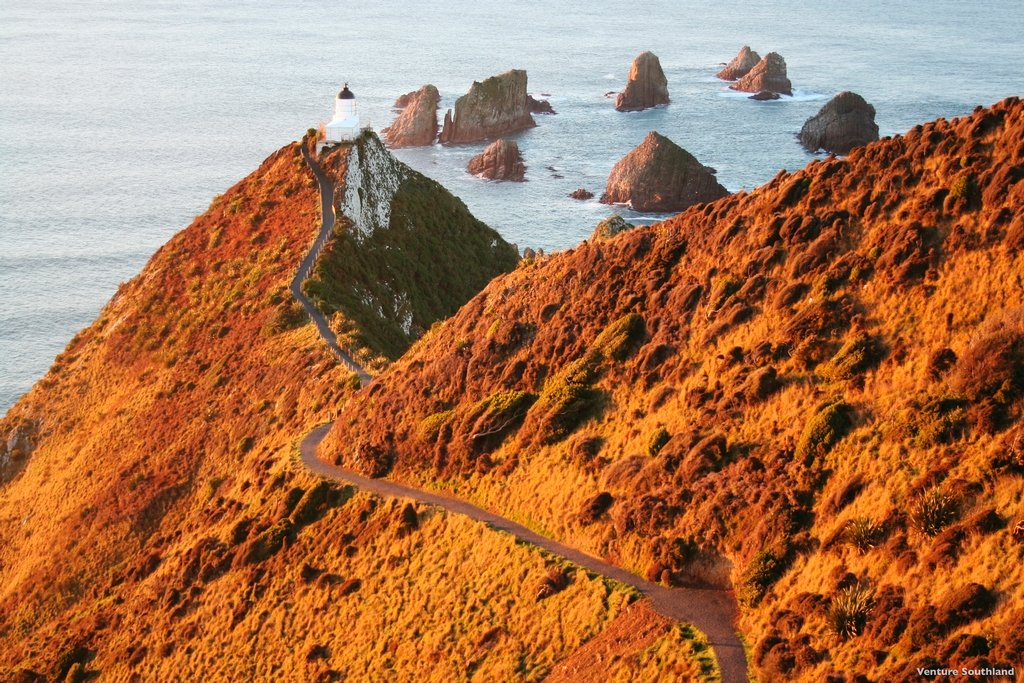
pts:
[345, 125]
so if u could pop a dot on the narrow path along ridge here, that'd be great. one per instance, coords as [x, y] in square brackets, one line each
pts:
[711, 610]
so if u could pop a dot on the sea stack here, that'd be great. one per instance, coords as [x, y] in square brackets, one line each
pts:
[494, 107]
[768, 74]
[539, 106]
[647, 86]
[845, 122]
[745, 60]
[417, 124]
[500, 160]
[660, 176]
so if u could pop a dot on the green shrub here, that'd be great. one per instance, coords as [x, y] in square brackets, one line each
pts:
[431, 425]
[620, 338]
[494, 417]
[317, 500]
[938, 420]
[764, 569]
[962, 187]
[848, 613]
[503, 404]
[827, 426]
[858, 354]
[267, 543]
[657, 441]
[566, 401]
[723, 288]
[932, 511]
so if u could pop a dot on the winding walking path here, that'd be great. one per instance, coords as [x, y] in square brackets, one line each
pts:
[713, 611]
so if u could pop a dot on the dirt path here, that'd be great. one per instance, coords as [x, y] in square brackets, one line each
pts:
[713, 611]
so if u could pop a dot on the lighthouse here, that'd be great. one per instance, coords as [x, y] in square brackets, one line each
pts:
[345, 125]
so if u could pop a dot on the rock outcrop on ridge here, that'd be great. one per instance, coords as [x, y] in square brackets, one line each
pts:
[845, 122]
[416, 126]
[610, 227]
[500, 160]
[659, 175]
[745, 60]
[493, 107]
[768, 74]
[647, 86]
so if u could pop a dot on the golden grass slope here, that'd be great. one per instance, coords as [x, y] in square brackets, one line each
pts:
[159, 528]
[811, 392]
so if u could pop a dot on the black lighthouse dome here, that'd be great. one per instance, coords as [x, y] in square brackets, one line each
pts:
[346, 94]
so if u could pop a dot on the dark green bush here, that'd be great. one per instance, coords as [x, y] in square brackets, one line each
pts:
[621, 338]
[657, 441]
[830, 423]
[431, 425]
[317, 500]
[858, 354]
[764, 569]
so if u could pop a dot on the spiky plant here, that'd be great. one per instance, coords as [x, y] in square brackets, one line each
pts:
[932, 511]
[848, 613]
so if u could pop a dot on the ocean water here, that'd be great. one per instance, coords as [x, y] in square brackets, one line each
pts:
[120, 121]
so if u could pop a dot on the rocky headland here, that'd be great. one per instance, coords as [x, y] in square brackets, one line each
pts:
[745, 60]
[659, 175]
[647, 86]
[768, 74]
[820, 381]
[496, 106]
[500, 160]
[845, 122]
[416, 125]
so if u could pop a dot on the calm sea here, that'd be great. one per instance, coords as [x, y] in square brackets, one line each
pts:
[120, 121]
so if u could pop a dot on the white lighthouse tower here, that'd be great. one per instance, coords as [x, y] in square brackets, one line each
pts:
[345, 125]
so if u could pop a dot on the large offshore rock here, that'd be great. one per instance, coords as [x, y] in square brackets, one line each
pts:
[745, 60]
[493, 107]
[659, 175]
[768, 74]
[845, 122]
[500, 160]
[416, 126]
[647, 86]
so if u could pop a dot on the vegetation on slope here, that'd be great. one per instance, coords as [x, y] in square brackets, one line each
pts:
[836, 362]
[390, 284]
[153, 524]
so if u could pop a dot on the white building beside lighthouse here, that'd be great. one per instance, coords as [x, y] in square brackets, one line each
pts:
[345, 125]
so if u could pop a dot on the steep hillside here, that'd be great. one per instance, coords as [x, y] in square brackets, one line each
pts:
[405, 254]
[154, 525]
[812, 391]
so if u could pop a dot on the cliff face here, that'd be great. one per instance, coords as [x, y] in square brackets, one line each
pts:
[153, 522]
[406, 254]
[811, 392]
[659, 175]
[416, 125]
[647, 86]
[494, 107]
[845, 122]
